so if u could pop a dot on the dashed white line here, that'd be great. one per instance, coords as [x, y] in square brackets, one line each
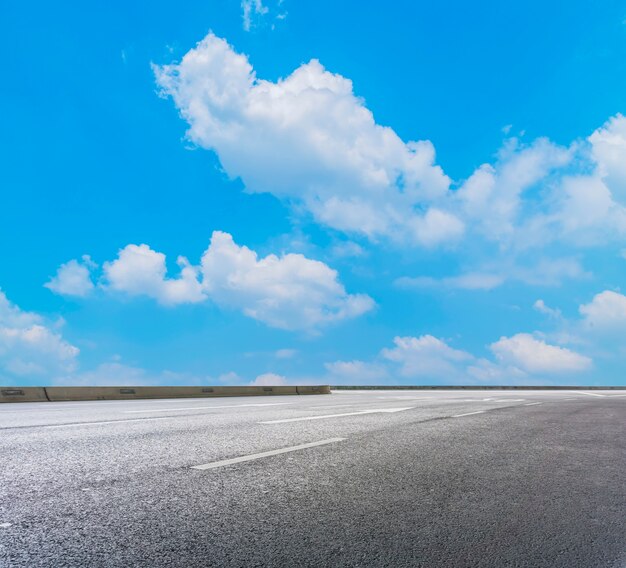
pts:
[589, 393]
[251, 457]
[533, 403]
[468, 413]
[104, 422]
[323, 416]
[204, 407]
[403, 397]
[5, 525]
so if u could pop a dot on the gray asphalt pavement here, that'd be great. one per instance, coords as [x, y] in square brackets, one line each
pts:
[376, 478]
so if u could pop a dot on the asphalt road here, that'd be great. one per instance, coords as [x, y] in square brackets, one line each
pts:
[439, 479]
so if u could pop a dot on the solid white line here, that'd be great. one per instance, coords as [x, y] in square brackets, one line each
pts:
[266, 454]
[588, 393]
[103, 422]
[532, 403]
[204, 407]
[468, 413]
[323, 416]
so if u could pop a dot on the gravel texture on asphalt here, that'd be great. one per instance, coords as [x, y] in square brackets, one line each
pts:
[111, 483]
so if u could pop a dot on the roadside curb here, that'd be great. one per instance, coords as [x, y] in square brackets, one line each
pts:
[57, 394]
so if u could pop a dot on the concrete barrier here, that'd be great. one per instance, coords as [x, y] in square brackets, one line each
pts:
[314, 389]
[133, 393]
[35, 394]
[23, 394]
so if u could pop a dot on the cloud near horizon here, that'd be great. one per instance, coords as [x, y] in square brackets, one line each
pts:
[30, 347]
[521, 359]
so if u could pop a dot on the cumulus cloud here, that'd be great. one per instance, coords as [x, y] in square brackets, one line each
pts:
[609, 150]
[356, 372]
[536, 356]
[139, 270]
[493, 196]
[269, 380]
[425, 356]
[308, 139]
[73, 278]
[288, 292]
[520, 359]
[606, 311]
[29, 347]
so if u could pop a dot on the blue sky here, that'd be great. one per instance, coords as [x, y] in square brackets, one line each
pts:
[313, 192]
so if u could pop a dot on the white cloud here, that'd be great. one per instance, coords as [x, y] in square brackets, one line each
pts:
[520, 359]
[609, 151]
[536, 356]
[356, 372]
[545, 272]
[73, 278]
[289, 292]
[269, 380]
[494, 197]
[252, 9]
[28, 347]
[285, 353]
[117, 373]
[541, 307]
[467, 281]
[230, 378]
[139, 270]
[307, 138]
[348, 249]
[426, 356]
[607, 310]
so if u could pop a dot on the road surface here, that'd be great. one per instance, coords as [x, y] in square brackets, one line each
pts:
[372, 478]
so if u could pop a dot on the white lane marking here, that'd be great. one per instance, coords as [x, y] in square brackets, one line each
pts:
[533, 403]
[469, 413]
[403, 397]
[103, 422]
[324, 407]
[5, 525]
[323, 416]
[614, 395]
[588, 393]
[266, 454]
[204, 407]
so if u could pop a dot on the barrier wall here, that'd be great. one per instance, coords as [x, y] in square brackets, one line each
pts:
[133, 393]
[321, 389]
[23, 394]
